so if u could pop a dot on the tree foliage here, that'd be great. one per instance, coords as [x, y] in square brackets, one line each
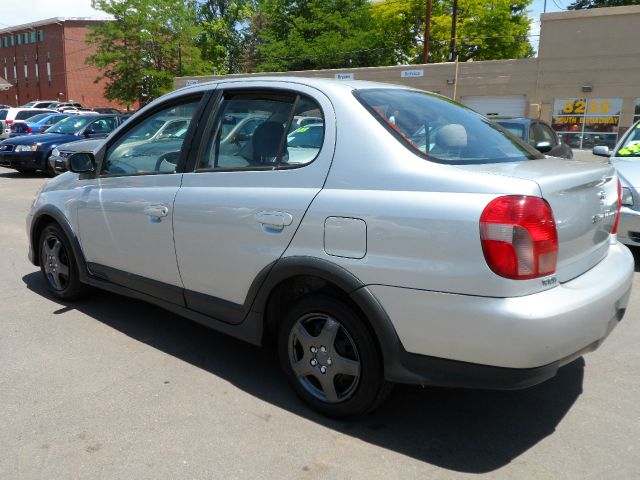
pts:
[485, 30]
[224, 34]
[147, 44]
[585, 4]
[313, 34]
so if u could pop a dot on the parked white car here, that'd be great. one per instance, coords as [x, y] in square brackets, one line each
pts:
[433, 249]
[625, 157]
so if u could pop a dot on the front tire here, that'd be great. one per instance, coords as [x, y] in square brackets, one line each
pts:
[58, 264]
[331, 358]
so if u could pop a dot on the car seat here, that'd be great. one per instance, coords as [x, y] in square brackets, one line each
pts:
[265, 143]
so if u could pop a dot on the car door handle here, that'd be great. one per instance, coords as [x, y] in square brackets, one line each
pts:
[156, 211]
[274, 219]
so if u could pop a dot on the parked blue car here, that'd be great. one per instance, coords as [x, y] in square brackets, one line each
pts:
[31, 152]
[36, 124]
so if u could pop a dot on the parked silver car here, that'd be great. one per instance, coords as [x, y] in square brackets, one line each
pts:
[626, 158]
[432, 249]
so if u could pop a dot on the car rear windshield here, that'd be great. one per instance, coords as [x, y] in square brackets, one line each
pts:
[3, 114]
[441, 130]
[516, 128]
[40, 116]
[26, 114]
[70, 125]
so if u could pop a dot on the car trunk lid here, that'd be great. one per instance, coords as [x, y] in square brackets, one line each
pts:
[583, 197]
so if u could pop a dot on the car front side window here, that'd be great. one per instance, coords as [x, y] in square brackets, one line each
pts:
[145, 149]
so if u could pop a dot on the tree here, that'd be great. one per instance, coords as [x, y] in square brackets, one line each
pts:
[485, 30]
[224, 28]
[585, 4]
[314, 34]
[147, 44]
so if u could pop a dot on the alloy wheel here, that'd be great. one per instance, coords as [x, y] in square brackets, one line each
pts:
[324, 357]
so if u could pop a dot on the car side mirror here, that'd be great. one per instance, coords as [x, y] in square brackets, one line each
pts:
[544, 147]
[82, 162]
[601, 151]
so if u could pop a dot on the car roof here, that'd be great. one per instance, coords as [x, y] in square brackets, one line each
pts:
[319, 83]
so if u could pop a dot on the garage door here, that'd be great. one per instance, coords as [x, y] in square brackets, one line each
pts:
[504, 106]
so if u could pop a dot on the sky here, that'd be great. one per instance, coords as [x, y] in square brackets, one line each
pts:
[14, 13]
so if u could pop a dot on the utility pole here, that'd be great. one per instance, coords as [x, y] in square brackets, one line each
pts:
[427, 33]
[454, 24]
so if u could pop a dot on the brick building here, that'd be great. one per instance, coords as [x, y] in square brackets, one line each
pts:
[45, 60]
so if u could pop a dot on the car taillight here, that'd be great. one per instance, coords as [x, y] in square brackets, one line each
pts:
[615, 223]
[8, 122]
[519, 237]
[28, 129]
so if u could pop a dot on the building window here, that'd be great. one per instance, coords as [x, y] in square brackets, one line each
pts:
[5, 41]
[49, 68]
[587, 122]
[12, 40]
[5, 76]
[37, 68]
[41, 35]
[32, 37]
[19, 39]
[26, 69]
[636, 112]
[26, 38]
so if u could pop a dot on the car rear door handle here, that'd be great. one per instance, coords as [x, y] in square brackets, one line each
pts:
[274, 219]
[156, 211]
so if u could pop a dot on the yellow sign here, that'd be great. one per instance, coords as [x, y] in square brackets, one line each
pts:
[592, 107]
[589, 120]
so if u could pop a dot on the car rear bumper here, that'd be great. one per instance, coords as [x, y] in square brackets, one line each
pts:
[539, 331]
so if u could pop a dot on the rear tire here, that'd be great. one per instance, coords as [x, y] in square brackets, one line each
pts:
[331, 358]
[59, 266]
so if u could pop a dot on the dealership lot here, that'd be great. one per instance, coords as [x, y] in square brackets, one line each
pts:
[114, 388]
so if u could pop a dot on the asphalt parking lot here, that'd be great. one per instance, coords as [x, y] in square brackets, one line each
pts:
[117, 389]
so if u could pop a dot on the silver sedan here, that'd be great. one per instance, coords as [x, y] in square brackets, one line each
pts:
[398, 237]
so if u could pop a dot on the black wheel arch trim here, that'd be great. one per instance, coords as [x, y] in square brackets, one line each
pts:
[386, 336]
[58, 217]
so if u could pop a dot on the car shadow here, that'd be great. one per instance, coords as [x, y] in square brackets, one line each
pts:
[471, 431]
[16, 174]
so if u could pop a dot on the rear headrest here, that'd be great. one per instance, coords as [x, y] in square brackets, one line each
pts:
[453, 135]
[266, 141]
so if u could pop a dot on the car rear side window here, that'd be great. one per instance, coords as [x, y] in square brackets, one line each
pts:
[539, 133]
[261, 130]
[441, 130]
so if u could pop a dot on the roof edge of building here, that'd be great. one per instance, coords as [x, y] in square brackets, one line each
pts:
[351, 70]
[590, 12]
[49, 21]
